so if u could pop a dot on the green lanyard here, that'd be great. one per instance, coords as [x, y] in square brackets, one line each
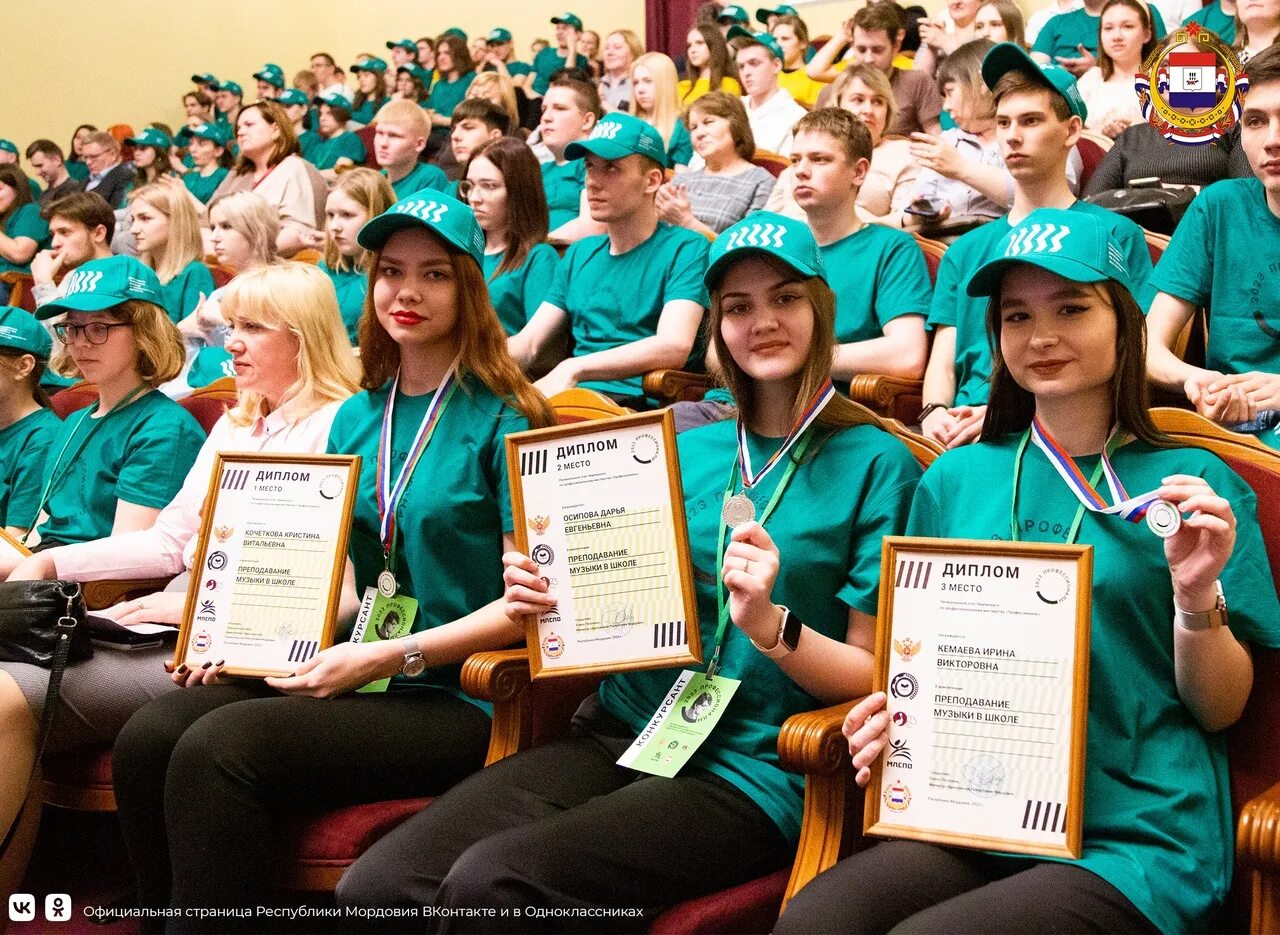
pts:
[56, 475]
[722, 605]
[1074, 531]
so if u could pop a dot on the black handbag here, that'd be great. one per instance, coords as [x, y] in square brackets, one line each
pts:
[1156, 209]
[42, 623]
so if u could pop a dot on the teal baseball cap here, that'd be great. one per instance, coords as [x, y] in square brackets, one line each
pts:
[334, 99]
[272, 74]
[151, 137]
[733, 13]
[764, 233]
[213, 132]
[447, 218]
[20, 331]
[1009, 56]
[569, 19]
[8, 146]
[499, 35]
[375, 65]
[737, 32]
[782, 9]
[417, 71]
[407, 44]
[291, 97]
[456, 31]
[103, 284]
[205, 78]
[1073, 244]
[618, 135]
[232, 88]
[770, 43]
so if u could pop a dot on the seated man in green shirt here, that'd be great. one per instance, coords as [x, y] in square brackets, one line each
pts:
[1039, 118]
[632, 297]
[570, 109]
[564, 54]
[1223, 257]
[399, 137]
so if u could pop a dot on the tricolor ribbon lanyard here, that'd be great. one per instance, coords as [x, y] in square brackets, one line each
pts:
[391, 492]
[1130, 509]
[58, 473]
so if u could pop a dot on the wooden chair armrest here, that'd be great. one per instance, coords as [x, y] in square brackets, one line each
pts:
[888, 396]
[502, 678]
[107, 592]
[1258, 850]
[675, 386]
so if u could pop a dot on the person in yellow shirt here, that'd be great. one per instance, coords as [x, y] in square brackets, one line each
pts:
[793, 35]
[708, 66]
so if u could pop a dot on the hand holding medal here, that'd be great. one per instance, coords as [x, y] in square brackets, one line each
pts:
[1199, 549]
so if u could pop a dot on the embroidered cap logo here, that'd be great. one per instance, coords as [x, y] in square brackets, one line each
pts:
[83, 281]
[425, 209]
[1038, 238]
[756, 235]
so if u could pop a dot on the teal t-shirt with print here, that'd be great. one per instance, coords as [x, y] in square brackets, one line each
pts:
[953, 306]
[830, 564]
[878, 274]
[24, 448]
[140, 454]
[352, 285]
[182, 293]
[548, 62]
[616, 300]
[203, 186]
[368, 110]
[453, 513]
[563, 183]
[420, 178]
[25, 222]
[516, 294]
[446, 95]
[209, 365]
[680, 146]
[346, 145]
[1063, 32]
[1157, 822]
[1212, 18]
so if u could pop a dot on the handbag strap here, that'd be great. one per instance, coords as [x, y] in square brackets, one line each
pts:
[66, 627]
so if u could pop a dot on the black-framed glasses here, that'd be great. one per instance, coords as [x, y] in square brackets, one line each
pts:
[96, 332]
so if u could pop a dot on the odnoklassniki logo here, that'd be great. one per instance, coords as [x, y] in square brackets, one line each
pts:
[1200, 86]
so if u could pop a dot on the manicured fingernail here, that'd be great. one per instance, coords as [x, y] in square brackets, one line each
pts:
[221, 662]
[207, 664]
[168, 666]
[182, 669]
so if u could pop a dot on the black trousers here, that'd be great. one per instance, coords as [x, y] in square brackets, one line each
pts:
[203, 776]
[909, 886]
[562, 828]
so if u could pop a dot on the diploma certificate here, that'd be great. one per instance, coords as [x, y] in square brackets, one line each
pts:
[983, 651]
[599, 506]
[268, 568]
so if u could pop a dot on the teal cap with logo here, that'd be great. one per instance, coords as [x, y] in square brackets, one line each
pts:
[618, 135]
[456, 31]
[292, 97]
[376, 65]
[213, 132]
[102, 284]
[499, 35]
[232, 88]
[1076, 246]
[8, 146]
[782, 9]
[272, 74]
[763, 233]
[770, 43]
[447, 218]
[569, 19]
[20, 331]
[733, 13]
[1009, 56]
[151, 137]
[334, 99]
[737, 32]
[407, 44]
[205, 78]
[417, 71]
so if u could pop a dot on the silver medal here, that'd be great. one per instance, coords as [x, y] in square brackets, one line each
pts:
[1163, 518]
[387, 586]
[737, 510]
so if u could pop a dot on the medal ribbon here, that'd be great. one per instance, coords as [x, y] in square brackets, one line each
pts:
[390, 491]
[816, 404]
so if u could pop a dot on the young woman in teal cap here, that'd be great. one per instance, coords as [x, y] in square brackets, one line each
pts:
[371, 89]
[211, 159]
[339, 148]
[166, 231]
[561, 826]
[432, 519]
[150, 156]
[1167, 674]
[27, 424]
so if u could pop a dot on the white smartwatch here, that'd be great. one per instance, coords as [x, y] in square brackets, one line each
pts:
[1206, 619]
[789, 628]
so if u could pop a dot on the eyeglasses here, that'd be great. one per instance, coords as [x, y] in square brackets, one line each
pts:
[485, 187]
[96, 332]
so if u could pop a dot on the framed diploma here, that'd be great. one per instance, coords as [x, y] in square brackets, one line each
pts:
[599, 506]
[983, 651]
[10, 547]
[268, 568]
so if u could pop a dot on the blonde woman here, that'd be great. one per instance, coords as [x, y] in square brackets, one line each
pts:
[166, 230]
[360, 195]
[653, 99]
[498, 89]
[621, 49]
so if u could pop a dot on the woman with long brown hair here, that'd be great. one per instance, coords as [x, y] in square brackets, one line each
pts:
[431, 521]
[708, 65]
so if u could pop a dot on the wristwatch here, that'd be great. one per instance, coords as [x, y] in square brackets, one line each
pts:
[1207, 619]
[414, 664]
[789, 628]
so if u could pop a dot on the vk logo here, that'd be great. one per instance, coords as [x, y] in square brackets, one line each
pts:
[82, 281]
[1038, 238]
[425, 208]
[22, 907]
[756, 235]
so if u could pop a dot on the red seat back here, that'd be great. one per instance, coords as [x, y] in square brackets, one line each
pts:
[366, 137]
[74, 397]
[1091, 156]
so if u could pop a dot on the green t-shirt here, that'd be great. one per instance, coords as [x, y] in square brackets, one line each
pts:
[346, 145]
[1157, 822]
[830, 563]
[25, 222]
[210, 364]
[421, 177]
[182, 292]
[1212, 18]
[953, 306]
[680, 146]
[77, 169]
[23, 449]
[878, 274]
[446, 95]
[516, 69]
[308, 142]
[454, 510]
[517, 294]
[368, 110]
[615, 300]
[351, 285]
[141, 455]
[548, 62]
[1063, 32]
[203, 186]
[563, 183]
